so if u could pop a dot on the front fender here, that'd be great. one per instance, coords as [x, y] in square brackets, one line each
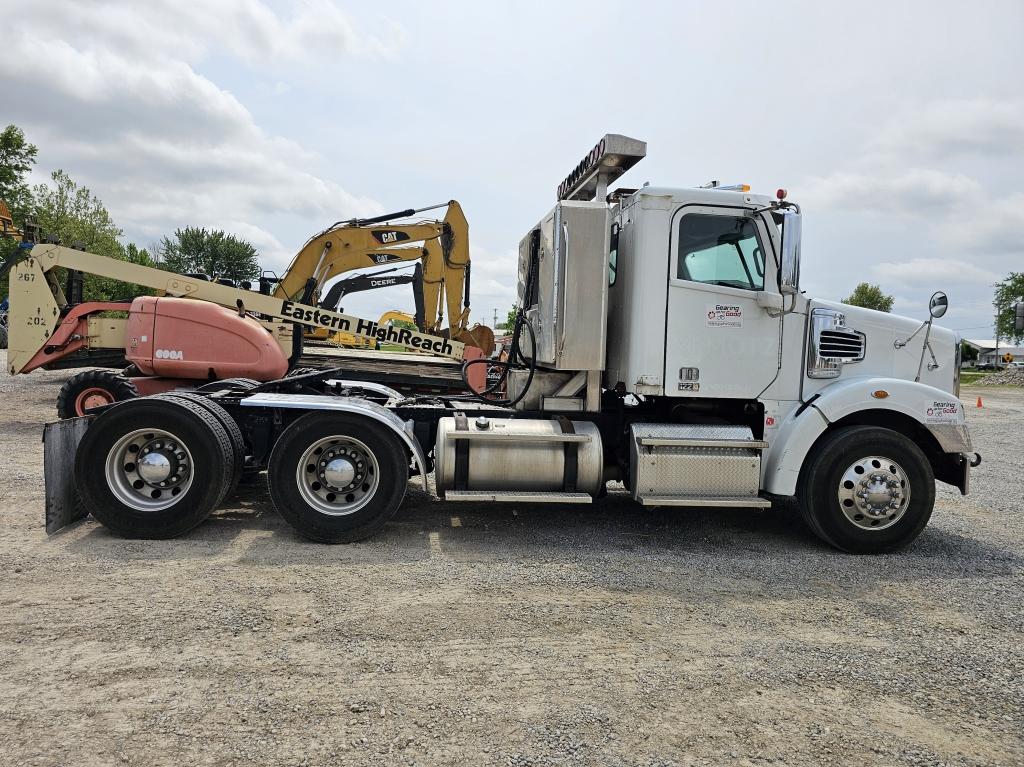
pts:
[941, 413]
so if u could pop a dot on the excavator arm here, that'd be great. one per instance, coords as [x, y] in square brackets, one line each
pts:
[443, 247]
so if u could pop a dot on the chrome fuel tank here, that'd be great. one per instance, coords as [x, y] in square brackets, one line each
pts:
[518, 455]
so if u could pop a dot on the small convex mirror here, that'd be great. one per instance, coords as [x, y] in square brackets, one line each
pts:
[938, 304]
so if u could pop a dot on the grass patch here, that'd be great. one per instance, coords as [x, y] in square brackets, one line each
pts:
[973, 376]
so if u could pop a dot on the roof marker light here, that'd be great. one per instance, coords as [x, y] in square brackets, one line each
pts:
[780, 194]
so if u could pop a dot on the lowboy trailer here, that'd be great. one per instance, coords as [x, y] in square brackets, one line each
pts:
[661, 340]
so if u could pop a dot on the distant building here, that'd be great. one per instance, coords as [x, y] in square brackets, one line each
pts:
[988, 354]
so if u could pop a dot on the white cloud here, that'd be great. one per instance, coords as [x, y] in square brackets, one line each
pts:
[888, 179]
[118, 102]
[247, 29]
[991, 225]
[942, 128]
[915, 191]
[942, 270]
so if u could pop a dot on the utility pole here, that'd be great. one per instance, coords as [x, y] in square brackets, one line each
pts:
[495, 324]
[996, 360]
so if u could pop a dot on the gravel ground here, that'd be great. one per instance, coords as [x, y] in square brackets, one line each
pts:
[512, 636]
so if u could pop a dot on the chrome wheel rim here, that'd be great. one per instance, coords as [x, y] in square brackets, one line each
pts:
[337, 475]
[149, 469]
[874, 493]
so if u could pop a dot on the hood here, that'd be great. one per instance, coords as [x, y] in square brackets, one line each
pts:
[882, 356]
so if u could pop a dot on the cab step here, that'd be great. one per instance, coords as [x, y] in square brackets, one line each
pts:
[516, 496]
[697, 500]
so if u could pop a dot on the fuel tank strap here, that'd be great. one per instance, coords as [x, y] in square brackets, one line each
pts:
[461, 454]
[572, 467]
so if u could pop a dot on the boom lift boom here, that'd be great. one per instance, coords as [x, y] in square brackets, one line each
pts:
[43, 327]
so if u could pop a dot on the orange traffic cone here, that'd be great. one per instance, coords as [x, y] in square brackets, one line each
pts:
[979, 403]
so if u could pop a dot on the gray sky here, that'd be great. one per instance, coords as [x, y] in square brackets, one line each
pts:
[899, 127]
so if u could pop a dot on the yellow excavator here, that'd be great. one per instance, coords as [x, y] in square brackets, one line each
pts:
[386, 320]
[384, 278]
[442, 246]
[7, 227]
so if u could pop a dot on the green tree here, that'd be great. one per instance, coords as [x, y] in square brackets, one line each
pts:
[77, 218]
[1007, 293]
[870, 297]
[136, 255]
[510, 319]
[214, 253]
[17, 157]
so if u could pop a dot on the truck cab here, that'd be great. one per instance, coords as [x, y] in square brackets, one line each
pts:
[699, 328]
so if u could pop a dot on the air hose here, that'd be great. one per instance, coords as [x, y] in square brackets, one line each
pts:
[516, 359]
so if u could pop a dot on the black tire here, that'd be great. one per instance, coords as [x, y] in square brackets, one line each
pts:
[229, 384]
[102, 386]
[822, 477]
[3, 336]
[301, 372]
[238, 448]
[381, 503]
[195, 428]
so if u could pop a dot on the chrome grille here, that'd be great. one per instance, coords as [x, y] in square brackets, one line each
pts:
[841, 344]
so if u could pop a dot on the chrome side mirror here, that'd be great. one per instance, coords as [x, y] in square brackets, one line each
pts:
[789, 273]
[1018, 316]
[937, 306]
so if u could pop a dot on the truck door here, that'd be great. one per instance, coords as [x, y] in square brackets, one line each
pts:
[718, 341]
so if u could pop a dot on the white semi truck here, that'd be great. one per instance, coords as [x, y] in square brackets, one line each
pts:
[662, 341]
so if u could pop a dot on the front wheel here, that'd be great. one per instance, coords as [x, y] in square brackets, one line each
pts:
[867, 490]
[338, 478]
[92, 388]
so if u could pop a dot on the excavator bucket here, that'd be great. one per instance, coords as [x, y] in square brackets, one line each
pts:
[480, 336]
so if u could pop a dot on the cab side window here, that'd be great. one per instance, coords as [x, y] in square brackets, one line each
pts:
[720, 250]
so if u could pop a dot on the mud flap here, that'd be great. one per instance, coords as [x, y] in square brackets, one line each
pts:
[60, 443]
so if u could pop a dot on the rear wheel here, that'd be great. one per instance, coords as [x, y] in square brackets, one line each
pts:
[338, 478]
[867, 490]
[238, 449]
[92, 388]
[153, 467]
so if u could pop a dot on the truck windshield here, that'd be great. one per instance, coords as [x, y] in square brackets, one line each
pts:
[720, 250]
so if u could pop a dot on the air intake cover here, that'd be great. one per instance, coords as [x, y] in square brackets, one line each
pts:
[832, 344]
